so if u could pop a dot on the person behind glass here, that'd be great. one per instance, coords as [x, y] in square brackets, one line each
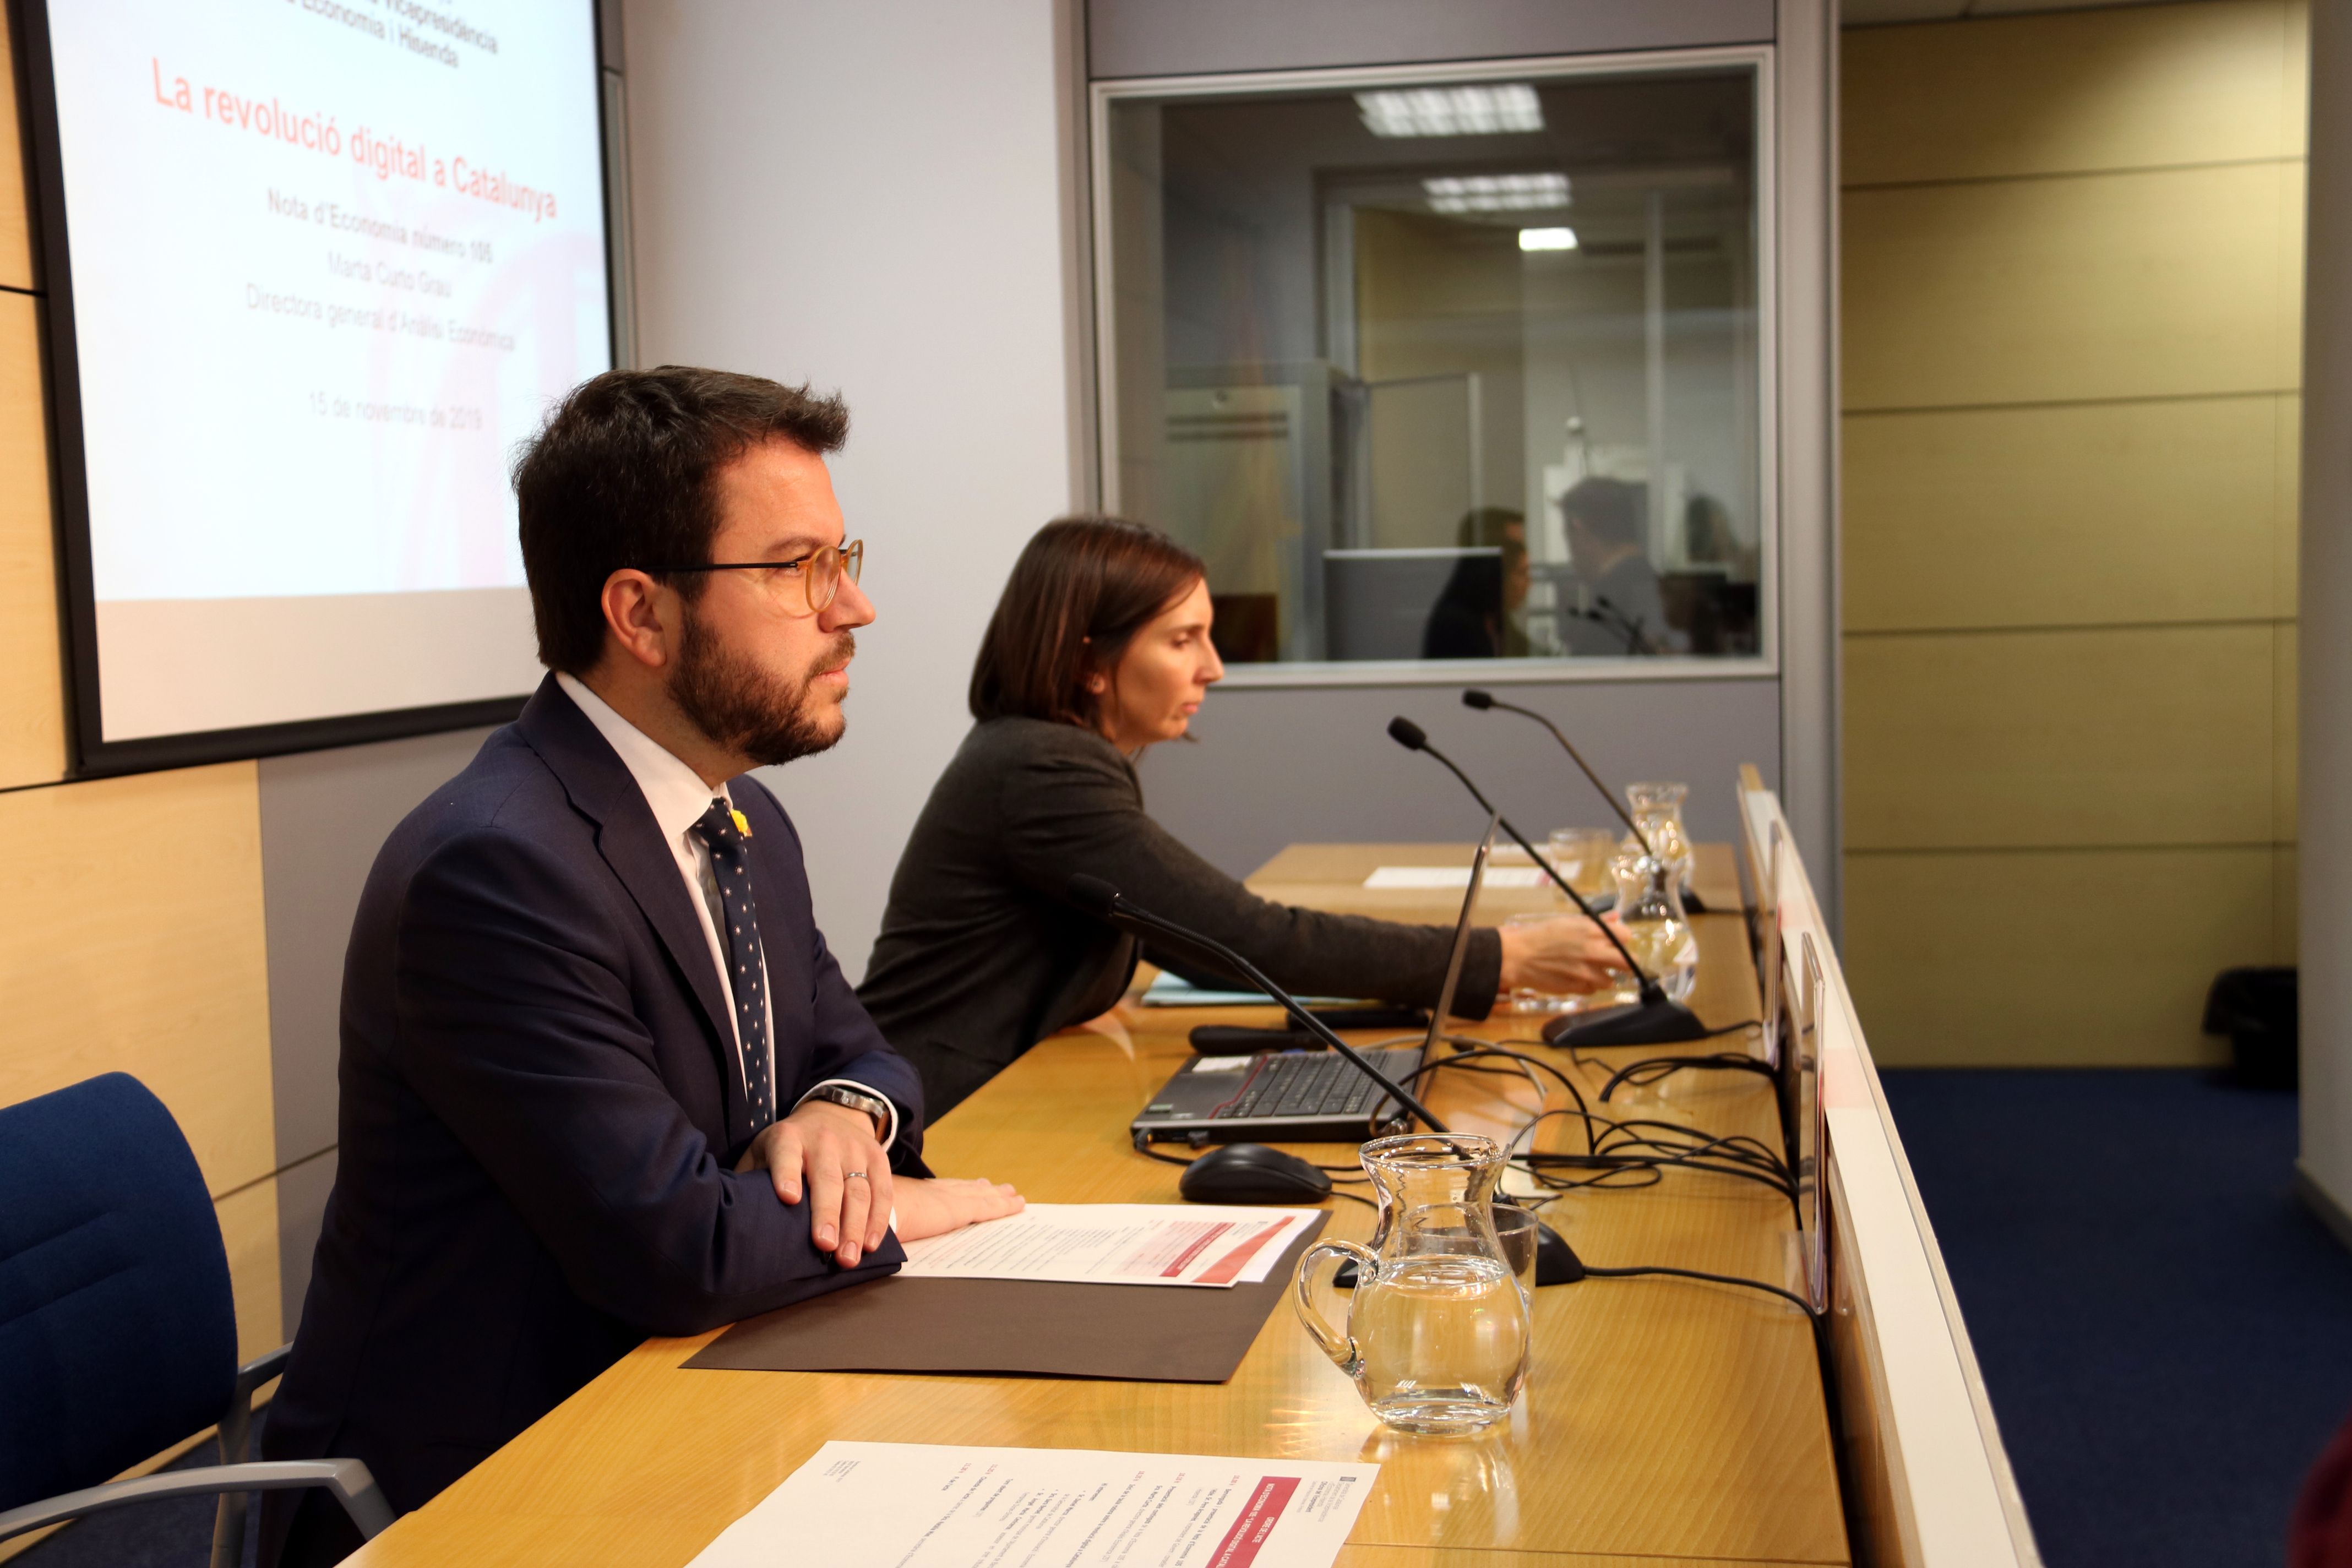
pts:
[1474, 615]
[1098, 648]
[1625, 612]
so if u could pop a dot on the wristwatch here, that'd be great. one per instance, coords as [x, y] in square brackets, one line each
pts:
[874, 1105]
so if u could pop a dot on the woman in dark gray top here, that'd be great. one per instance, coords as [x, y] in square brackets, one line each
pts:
[1098, 648]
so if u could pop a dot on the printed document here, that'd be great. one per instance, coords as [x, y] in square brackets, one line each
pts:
[914, 1505]
[1114, 1244]
[1451, 879]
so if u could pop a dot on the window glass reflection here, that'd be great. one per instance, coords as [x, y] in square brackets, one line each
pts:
[1459, 373]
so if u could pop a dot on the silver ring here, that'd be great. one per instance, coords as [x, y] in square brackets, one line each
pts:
[853, 1175]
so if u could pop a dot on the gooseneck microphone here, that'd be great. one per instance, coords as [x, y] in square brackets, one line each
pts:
[1483, 701]
[1657, 1018]
[1097, 898]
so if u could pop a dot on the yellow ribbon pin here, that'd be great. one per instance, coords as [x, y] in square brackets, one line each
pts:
[743, 823]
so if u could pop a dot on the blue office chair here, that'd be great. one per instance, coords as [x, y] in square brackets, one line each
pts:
[118, 1332]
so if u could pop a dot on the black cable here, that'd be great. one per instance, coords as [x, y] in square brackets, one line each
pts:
[1537, 1064]
[1738, 1156]
[1462, 1059]
[1736, 1147]
[1576, 1053]
[1635, 1173]
[1642, 1074]
[1622, 1152]
[1539, 1166]
[1799, 1301]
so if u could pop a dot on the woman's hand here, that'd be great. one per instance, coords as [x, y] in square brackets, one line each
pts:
[939, 1206]
[1558, 957]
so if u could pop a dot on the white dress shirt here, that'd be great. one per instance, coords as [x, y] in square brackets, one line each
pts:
[679, 798]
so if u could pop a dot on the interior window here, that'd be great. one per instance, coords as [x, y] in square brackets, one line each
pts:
[1453, 371]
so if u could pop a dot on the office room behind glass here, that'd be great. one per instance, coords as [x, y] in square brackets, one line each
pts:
[1458, 371]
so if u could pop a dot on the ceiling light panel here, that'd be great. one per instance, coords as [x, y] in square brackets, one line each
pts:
[1547, 240]
[1496, 193]
[1451, 111]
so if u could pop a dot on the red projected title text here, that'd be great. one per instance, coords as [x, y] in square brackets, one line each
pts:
[388, 157]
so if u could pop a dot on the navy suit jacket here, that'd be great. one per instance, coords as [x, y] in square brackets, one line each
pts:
[541, 1109]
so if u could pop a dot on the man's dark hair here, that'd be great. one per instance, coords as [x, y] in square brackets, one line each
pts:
[623, 474]
[1611, 508]
[1081, 590]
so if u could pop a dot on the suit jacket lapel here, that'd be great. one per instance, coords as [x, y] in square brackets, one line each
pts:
[602, 789]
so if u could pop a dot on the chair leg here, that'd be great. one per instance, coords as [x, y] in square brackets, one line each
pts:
[228, 1531]
[228, 1518]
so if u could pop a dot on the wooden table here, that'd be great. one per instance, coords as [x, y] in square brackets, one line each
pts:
[1331, 877]
[1665, 1421]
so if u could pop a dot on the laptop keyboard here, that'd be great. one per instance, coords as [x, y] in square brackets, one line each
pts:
[1307, 1084]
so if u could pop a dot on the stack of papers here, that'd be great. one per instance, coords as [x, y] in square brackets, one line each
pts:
[916, 1505]
[1114, 1244]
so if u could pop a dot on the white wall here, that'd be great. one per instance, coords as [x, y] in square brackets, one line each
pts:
[867, 196]
[2326, 613]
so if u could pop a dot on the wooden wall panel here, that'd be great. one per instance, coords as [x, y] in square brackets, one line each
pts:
[2084, 958]
[18, 268]
[2179, 283]
[2072, 322]
[2139, 736]
[2094, 514]
[2285, 734]
[32, 685]
[131, 938]
[248, 1222]
[2074, 91]
[2287, 541]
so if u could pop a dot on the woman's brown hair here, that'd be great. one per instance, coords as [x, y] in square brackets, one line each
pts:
[1082, 589]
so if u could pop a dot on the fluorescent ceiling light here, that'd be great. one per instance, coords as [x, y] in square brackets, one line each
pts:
[1496, 193]
[1547, 240]
[1450, 111]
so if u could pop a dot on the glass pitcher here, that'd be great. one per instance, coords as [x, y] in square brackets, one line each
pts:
[1657, 931]
[1657, 811]
[1437, 1328]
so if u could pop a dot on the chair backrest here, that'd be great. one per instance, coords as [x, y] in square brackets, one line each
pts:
[118, 1332]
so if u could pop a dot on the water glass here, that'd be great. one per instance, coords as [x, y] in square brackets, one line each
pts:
[1581, 855]
[1524, 1000]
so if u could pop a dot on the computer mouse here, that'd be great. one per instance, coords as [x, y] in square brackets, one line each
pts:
[1556, 1262]
[1252, 1174]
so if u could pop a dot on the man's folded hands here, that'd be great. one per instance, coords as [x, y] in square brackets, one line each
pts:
[826, 1155]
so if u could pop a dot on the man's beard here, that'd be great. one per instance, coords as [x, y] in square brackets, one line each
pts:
[743, 708]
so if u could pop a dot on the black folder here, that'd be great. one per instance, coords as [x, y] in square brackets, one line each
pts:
[1022, 1328]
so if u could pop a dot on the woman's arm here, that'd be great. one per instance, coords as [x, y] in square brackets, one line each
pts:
[1074, 807]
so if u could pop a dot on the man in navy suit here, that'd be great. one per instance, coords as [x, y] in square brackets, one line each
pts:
[600, 1077]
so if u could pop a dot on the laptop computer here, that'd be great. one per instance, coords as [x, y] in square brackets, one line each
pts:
[1302, 1097]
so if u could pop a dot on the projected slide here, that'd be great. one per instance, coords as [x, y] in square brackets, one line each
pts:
[330, 261]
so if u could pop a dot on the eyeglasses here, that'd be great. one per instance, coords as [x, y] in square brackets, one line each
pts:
[816, 576]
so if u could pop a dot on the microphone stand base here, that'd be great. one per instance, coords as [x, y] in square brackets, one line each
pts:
[1659, 1023]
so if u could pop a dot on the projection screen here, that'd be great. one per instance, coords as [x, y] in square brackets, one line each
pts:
[314, 268]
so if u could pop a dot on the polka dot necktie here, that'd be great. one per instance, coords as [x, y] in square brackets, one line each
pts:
[730, 862]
